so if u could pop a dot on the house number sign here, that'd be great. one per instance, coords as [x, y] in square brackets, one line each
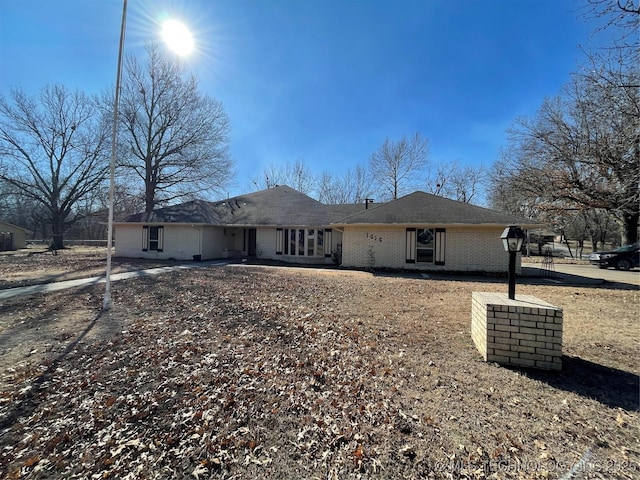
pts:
[373, 237]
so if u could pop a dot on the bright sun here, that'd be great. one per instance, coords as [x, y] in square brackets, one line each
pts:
[178, 37]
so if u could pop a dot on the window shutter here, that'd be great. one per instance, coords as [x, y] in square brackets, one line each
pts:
[440, 246]
[279, 241]
[145, 238]
[328, 233]
[160, 238]
[411, 245]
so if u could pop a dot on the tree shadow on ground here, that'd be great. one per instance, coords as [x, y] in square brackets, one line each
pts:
[609, 386]
[29, 401]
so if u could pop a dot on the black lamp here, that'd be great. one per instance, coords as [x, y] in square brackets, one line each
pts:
[512, 239]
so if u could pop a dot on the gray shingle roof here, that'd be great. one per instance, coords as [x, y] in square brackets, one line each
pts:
[420, 208]
[196, 211]
[284, 206]
[279, 205]
[10, 226]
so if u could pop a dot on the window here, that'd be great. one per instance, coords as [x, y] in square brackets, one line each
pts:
[425, 245]
[152, 238]
[320, 244]
[301, 241]
[292, 242]
[311, 239]
[309, 242]
[327, 241]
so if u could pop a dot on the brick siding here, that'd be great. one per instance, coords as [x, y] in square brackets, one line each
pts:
[524, 332]
[467, 249]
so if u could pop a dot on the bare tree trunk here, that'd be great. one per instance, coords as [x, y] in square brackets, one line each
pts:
[630, 228]
[149, 197]
[57, 229]
[566, 242]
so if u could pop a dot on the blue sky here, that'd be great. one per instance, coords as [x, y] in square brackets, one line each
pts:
[324, 81]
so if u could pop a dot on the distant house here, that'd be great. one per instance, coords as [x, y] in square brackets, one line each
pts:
[419, 231]
[12, 237]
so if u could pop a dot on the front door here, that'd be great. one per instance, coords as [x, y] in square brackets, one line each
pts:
[251, 248]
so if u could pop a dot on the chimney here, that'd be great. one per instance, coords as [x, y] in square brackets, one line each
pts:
[367, 201]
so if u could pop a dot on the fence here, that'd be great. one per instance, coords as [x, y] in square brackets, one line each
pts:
[69, 243]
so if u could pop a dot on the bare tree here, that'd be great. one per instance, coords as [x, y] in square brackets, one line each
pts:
[296, 175]
[176, 139]
[594, 225]
[54, 147]
[622, 16]
[18, 209]
[397, 166]
[302, 178]
[600, 225]
[461, 183]
[506, 194]
[126, 202]
[352, 187]
[581, 151]
[270, 177]
[91, 216]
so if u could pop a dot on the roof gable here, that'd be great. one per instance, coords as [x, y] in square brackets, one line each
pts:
[279, 205]
[10, 226]
[425, 208]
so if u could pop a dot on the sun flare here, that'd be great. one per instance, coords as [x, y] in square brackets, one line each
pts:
[178, 37]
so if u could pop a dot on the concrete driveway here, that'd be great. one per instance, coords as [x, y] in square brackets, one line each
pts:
[588, 274]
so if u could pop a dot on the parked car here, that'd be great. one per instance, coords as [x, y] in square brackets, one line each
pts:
[622, 258]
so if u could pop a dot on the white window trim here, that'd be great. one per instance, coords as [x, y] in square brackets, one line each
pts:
[283, 236]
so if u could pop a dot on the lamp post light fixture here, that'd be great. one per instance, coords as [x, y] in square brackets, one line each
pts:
[512, 239]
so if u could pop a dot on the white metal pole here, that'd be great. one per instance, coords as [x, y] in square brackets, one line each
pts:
[106, 303]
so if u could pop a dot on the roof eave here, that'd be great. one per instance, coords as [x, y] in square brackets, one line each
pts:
[526, 226]
[228, 225]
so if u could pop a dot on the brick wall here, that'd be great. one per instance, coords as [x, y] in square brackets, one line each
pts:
[524, 332]
[180, 242]
[374, 247]
[475, 248]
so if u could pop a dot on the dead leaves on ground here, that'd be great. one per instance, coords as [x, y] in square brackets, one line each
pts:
[233, 373]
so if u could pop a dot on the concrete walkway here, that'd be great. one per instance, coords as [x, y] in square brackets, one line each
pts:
[582, 274]
[81, 282]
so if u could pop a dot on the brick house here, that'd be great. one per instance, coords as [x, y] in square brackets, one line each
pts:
[419, 231]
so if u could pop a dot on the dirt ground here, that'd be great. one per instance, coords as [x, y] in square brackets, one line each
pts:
[267, 372]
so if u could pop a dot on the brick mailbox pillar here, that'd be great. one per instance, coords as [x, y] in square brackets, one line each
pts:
[524, 332]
